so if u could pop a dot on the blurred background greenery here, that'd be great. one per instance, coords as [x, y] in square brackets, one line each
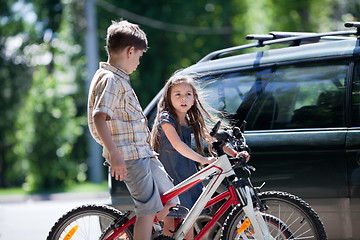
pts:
[43, 87]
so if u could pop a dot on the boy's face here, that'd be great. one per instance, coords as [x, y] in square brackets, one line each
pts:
[133, 60]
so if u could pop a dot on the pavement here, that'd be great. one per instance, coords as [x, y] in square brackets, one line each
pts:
[32, 216]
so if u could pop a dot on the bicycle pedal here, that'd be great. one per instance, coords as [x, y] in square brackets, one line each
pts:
[173, 209]
[181, 210]
[157, 230]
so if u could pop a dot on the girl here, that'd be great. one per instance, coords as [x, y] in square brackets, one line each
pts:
[180, 114]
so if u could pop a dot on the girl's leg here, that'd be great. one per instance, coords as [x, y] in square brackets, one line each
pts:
[168, 221]
[190, 234]
[169, 225]
[164, 212]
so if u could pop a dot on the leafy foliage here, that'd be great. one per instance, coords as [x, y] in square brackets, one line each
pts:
[48, 125]
[47, 130]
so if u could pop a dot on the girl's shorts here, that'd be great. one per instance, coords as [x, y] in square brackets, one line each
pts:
[146, 180]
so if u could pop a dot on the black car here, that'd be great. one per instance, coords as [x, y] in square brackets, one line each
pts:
[302, 105]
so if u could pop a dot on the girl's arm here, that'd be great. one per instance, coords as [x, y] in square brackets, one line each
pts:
[181, 147]
[229, 151]
[233, 153]
[118, 167]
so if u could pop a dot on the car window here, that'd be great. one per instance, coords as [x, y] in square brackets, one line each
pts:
[302, 96]
[356, 96]
[233, 93]
[151, 115]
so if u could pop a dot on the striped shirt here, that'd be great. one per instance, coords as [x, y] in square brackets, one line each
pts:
[111, 93]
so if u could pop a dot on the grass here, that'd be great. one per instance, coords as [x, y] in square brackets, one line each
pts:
[88, 187]
[11, 191]
[80, 187]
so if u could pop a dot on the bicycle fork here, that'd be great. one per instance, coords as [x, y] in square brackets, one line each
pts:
[254, 217]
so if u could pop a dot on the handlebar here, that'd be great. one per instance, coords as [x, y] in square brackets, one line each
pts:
[236, 138]
[235, 135]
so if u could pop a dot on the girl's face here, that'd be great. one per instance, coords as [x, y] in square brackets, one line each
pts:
[182, 98]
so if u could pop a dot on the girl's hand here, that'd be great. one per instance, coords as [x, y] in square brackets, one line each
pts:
[207, 160]
[211, 159]
[244, 154]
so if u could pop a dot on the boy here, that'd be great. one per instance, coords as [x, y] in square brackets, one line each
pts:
[116, 121]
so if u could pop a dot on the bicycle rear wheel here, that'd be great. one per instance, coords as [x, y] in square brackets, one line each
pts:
[87, 222]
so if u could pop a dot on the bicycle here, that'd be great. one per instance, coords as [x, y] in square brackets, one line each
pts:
[255, 214]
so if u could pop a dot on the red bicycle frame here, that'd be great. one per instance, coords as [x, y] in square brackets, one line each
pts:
[218, 170]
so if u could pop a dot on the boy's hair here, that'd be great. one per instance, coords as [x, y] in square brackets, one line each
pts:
[195, 114]
[121, 34]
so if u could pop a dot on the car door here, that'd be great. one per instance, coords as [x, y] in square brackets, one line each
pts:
[353, 153]
[297, 130]
[296, 123]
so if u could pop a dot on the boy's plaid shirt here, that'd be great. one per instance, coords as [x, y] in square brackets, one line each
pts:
[111, 93]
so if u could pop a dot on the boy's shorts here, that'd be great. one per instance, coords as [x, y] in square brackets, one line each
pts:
[146, 180]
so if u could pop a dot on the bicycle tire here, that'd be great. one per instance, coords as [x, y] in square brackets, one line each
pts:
[303, 216]
[302, 221]
[86, 222]
[277, 228]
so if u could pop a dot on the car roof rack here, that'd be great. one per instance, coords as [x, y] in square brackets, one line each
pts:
[294, 38]
[279, 35]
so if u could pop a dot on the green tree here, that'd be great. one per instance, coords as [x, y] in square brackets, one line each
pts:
[47, 131]
[15, 74]
[184, 33]
[48, 123]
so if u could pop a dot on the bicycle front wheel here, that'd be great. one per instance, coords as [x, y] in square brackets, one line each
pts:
[297, 215]
[287, 216]
[236, 218]
[86, 222]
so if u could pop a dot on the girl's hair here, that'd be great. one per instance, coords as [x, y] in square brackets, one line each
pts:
[195, 114]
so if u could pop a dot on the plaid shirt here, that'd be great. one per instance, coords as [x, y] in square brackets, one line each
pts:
[111, 93]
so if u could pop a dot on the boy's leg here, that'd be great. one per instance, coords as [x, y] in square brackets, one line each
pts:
[143, 227]
[142, 187]
[146, 180]
[164, 184]
[145, 194]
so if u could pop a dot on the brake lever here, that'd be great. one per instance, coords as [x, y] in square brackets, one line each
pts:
[252, 168]
[247, 167]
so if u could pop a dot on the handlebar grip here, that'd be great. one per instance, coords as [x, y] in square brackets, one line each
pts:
[215, 129]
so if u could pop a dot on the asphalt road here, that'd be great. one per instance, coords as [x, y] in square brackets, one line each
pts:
[31, 218]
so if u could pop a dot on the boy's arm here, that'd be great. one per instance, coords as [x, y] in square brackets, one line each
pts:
[118, 167]
[181, 147]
